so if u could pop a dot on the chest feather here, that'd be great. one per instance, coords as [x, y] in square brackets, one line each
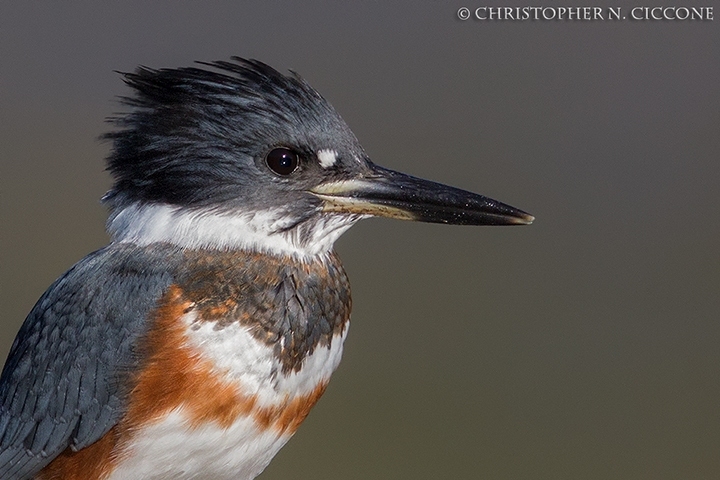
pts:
[232, 368]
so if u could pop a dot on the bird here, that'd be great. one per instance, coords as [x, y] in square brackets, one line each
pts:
[196, 342]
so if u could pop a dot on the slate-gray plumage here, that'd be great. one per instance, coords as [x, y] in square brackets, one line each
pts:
[231, 183]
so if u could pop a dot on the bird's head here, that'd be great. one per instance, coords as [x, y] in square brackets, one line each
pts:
[238, 155]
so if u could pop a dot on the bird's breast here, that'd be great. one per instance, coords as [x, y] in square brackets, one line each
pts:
[239, 351]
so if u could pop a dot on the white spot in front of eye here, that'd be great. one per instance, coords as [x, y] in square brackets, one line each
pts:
[327, 158]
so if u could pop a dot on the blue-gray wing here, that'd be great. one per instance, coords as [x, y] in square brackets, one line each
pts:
[66, 376]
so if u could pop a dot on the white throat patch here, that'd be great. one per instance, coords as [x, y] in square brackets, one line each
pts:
[261, 231]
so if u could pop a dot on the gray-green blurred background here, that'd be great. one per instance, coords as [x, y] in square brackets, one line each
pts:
[586, 346]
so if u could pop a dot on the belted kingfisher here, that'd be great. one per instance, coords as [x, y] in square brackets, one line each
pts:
[197, 341]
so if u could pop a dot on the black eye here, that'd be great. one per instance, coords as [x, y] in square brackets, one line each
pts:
[282, 161]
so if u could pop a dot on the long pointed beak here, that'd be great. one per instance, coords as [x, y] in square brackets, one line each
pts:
[386, 193]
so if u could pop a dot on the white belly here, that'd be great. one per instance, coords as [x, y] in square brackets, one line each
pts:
[171, 450]
[175, 447]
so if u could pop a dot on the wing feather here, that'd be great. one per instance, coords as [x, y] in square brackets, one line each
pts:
[66, 377]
